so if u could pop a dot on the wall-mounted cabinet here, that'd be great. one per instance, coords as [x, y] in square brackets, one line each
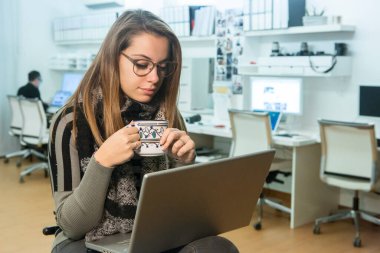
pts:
[79, 38]
[195, 82]
[71, 61]
[85, 28]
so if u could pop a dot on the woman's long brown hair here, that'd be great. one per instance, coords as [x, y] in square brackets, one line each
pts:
[104, 74]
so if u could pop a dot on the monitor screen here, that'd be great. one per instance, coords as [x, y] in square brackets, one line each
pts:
[369, 101]
[71, 81]
[60, 98]
[277, 94]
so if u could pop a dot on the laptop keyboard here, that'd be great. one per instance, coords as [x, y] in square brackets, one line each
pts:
[125, 242]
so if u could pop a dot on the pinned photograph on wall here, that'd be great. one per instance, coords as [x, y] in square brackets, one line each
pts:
[229, 46]
[237, 87]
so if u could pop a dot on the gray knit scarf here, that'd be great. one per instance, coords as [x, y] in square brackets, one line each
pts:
[124, 187]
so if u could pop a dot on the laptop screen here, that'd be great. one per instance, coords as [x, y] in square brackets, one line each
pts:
[60, 98]
[275, 118]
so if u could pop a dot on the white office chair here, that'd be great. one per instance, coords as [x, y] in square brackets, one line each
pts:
[251, 132]
[34, 133]
[15, 129]
[349, 160]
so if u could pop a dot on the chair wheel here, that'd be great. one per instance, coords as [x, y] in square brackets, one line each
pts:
[357, 242]
[6, 160]
[316, 230]
[18, 164]
[21, 180]
[257, 226]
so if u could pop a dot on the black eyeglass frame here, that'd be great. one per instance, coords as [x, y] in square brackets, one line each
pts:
[160, 69]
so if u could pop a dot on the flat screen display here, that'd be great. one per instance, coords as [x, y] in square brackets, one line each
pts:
[369, 101]
[277, 94]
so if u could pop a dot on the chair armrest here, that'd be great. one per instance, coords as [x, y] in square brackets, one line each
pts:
[50, 230]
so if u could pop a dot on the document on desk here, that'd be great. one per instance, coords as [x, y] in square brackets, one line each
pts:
[210, 129]
[295, 140]
[221, 105]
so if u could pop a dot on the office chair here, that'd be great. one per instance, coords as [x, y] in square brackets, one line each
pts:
[349, 160]
[251, 132]
[34, 134]
[15, 130]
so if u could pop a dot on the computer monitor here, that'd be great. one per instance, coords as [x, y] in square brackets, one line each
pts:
[369, 101]
[71, 81]
[276, 94]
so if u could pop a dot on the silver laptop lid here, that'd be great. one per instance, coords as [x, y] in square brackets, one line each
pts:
[181, 205]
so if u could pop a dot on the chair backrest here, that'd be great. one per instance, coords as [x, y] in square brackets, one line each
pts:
[251, 132]
[349, 152]
[34, 118]
[16, 115]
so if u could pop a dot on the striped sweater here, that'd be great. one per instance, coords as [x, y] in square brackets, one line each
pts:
[80, 185]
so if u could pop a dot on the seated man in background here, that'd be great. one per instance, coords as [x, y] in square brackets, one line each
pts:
[30, 90]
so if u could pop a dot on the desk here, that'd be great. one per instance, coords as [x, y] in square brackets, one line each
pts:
[310, 197]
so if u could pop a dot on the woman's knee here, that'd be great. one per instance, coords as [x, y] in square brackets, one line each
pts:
[70, 246]
[210, 244]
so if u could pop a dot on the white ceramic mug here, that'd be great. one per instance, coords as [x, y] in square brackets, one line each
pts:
[150, 132]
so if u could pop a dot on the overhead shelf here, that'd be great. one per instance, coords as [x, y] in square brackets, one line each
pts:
[196, 38]
[302, 30]
[299, 66]
[79, 42]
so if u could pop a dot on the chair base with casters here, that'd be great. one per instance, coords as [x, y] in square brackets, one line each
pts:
[265, 201]
[23, 154]
[354, 214]
[34, 167]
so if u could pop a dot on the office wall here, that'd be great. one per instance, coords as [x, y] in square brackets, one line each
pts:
[334, 98]
[8, 66]
[26, 44]
[36, 39]
[337, 98]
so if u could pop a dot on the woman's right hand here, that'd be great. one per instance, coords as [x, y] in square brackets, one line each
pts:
[118, 148]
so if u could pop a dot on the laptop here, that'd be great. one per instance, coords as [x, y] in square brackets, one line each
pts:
[275, 118]
[59, 100]
[178, 206]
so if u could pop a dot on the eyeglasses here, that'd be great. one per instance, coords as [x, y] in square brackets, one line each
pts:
[142, 67]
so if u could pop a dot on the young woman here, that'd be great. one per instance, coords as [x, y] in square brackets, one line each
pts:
[95, 174]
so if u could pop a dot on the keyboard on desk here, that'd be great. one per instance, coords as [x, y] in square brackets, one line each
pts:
[289, 135]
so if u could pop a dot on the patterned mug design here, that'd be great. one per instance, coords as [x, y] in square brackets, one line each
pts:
[150, 132]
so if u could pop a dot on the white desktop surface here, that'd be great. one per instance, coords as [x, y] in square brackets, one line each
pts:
[310, 197]
[303, 137]
[52, 109]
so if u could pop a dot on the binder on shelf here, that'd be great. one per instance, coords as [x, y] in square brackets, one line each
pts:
[296, 12]
[284, 8]
[276, 14]
[190, 20]
[247, 8]
[83, 28]
[268, 14]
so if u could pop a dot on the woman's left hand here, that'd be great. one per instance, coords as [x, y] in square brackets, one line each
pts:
[179, 144]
